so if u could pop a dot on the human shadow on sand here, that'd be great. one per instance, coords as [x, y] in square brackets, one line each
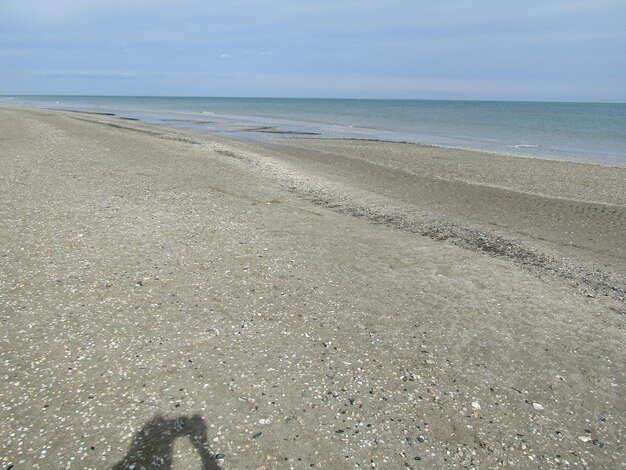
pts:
[153, 445]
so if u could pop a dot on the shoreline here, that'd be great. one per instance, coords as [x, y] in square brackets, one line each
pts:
[242, 126]
[545, 253]
[171, 123]
[275, 304]
[486, 152]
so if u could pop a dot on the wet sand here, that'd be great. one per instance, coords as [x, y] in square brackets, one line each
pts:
[174, 296]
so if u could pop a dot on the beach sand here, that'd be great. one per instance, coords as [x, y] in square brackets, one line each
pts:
[174, 296]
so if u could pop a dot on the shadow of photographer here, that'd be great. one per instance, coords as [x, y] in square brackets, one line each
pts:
[153, 445]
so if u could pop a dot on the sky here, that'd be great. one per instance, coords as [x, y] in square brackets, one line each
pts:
[542, 50]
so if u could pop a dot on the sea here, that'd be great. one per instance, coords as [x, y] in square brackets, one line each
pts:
[586, 132]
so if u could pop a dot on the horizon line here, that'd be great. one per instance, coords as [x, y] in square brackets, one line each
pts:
[312, 98]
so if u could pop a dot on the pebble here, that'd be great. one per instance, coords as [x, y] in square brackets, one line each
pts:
[538, 407]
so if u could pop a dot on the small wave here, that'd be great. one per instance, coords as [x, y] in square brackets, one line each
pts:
[207, 112]
[526, 146]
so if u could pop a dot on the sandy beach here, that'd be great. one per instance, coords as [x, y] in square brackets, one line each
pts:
[175, 297]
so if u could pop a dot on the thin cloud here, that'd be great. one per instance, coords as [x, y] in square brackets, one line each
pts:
[58, 11]
[78, 75]
[461, 42]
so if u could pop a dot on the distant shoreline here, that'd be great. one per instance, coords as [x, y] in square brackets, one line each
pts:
[507, 211]
[193, 97]
[248, 133]
[576, 132]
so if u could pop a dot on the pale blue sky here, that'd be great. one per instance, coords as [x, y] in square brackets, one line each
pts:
[563, 50]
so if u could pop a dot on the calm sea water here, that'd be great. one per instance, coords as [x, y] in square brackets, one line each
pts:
[574, 131]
